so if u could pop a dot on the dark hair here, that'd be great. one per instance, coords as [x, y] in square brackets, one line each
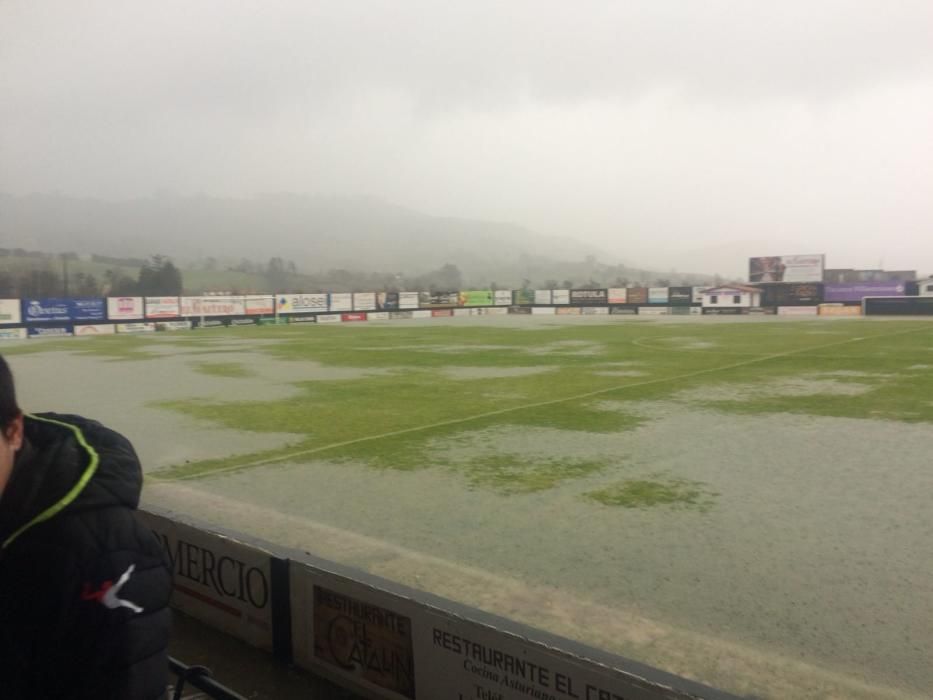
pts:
[9, 411]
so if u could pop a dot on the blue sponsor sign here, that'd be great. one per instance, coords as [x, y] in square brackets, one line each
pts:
[37, 332]
[39, 310]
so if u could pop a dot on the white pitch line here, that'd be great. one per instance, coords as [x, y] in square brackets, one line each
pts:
[513, 409]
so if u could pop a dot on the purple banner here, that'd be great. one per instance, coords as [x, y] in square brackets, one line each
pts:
[856, 291]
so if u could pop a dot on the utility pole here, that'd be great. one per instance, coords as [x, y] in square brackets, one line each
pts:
[64, 274]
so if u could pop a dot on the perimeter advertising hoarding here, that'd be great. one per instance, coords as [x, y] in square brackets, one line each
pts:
[653, 311]
[260, 305]
[542, 310]
[786, 268]
[560, 296]
[162, 307]
[387, 301]
[40, 310]
[408, 300]
[497, 311]
[378, 315]
[129, 308]
[328, 318]
[440, 313]
[637, 295]
[698, 294]
[364, 301]
[95, 329]
[173, 325]
[657, 295]
[623, 310]
[543, 296]
[213, 306]
[136, 328]
[588, 297]
[476, 298]
[680, 296]
[569, 311]
[42, 331]
[218, 580]
[340, 301]
[10, 312]
[391, 644]
[797, 311]
[523, 297]
[791, 294]
[400, 315]
[421, 313]
[302, 303]
[860, 290]
[302, 319]
[618, 295]
[12, 333]
[438, 300]
[502, 297]
[355, 316]
[594, 310]
[839, 310]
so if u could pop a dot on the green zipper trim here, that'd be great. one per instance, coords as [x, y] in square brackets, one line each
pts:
[75, 490]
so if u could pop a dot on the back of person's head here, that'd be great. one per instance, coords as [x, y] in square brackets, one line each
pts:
[9, 410]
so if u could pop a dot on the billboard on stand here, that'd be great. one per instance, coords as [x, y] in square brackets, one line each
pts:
[786, 268]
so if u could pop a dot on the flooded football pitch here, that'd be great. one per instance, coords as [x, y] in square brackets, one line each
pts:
[744, 503]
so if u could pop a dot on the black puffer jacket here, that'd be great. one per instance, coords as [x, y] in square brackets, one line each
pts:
[84, 588]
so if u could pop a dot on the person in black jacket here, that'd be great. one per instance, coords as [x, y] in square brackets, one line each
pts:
[84, 587]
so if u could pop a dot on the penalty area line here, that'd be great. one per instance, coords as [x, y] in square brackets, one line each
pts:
[513, 409]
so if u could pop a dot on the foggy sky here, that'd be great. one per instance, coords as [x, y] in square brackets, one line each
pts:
[676, 134]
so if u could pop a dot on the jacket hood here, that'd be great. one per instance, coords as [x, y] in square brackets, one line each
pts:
[67, 463]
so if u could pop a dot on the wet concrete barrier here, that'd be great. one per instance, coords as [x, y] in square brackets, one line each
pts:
[383, 640]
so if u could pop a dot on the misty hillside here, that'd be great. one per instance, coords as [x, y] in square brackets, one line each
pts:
[316, 233]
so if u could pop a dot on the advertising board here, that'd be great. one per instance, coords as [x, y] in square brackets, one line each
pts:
[560, 296]
[899, 306]
[408, 300]
[12, 333]
[476, 298]
[594, 310]
[387, 301]
[440, 313]
[791, 294]
[94, 329]
[438, 300]
[623, 310]
[653, 310]
[244, 321]
[680, 296]
[10, 312]
[124, 308]
[568, 311]
[421, 313]
[162, 307]
[637, 295]
[542, 310]
[797, 311]
[218, 580]
[328, 318]
[543, 296]
[213, 306]
[259, 305]
[173, 325]
[839, 310]
[698, 294]
[136, 327]
[340, 301]
[523, 297]
[857, 291]
[378, 316]
[364, 301]
[515, 309]
[657, 295]
[588, 297]
[617, 295]
[50, 331]
[301, 303]
[496, 311]
[400, 315]
[355, 316]
[786, 268]
[302, 318]
[40, 310]
[502, 297]
[210, 322]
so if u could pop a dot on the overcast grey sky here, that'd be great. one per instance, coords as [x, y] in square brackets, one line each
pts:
[652, 128]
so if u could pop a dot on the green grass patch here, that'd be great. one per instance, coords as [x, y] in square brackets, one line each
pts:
[224, 369]
[657, 490]
[512, 474]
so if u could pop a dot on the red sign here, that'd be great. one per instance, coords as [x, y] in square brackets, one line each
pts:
[442, 312]
[352, 317]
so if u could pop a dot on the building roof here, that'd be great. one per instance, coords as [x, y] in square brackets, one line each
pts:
[742, 288]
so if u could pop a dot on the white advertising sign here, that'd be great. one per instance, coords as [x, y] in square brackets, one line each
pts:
[173, 325]
[594, 310]
[560, 296]
[653, 310]
[378, 315]
[495, 311]
[502, 297]
[136, 327]
[213, 306]
[328, 318]
[10, 311]
[542, 296]
[786, 268]
[698, 294]
[341, 301]
[301, 303]
[124, 308]
[617, 295]
[12, 333]
[364, 301]
[163, 307]
[797, 311]
[543, 310]
[408, 300]
[95, 329]
[421, 313]
[260, 305]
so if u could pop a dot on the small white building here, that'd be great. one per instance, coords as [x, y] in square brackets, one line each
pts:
[731, 296]
[925, 287]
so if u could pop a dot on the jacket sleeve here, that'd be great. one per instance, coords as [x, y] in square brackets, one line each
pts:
[120, 625]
